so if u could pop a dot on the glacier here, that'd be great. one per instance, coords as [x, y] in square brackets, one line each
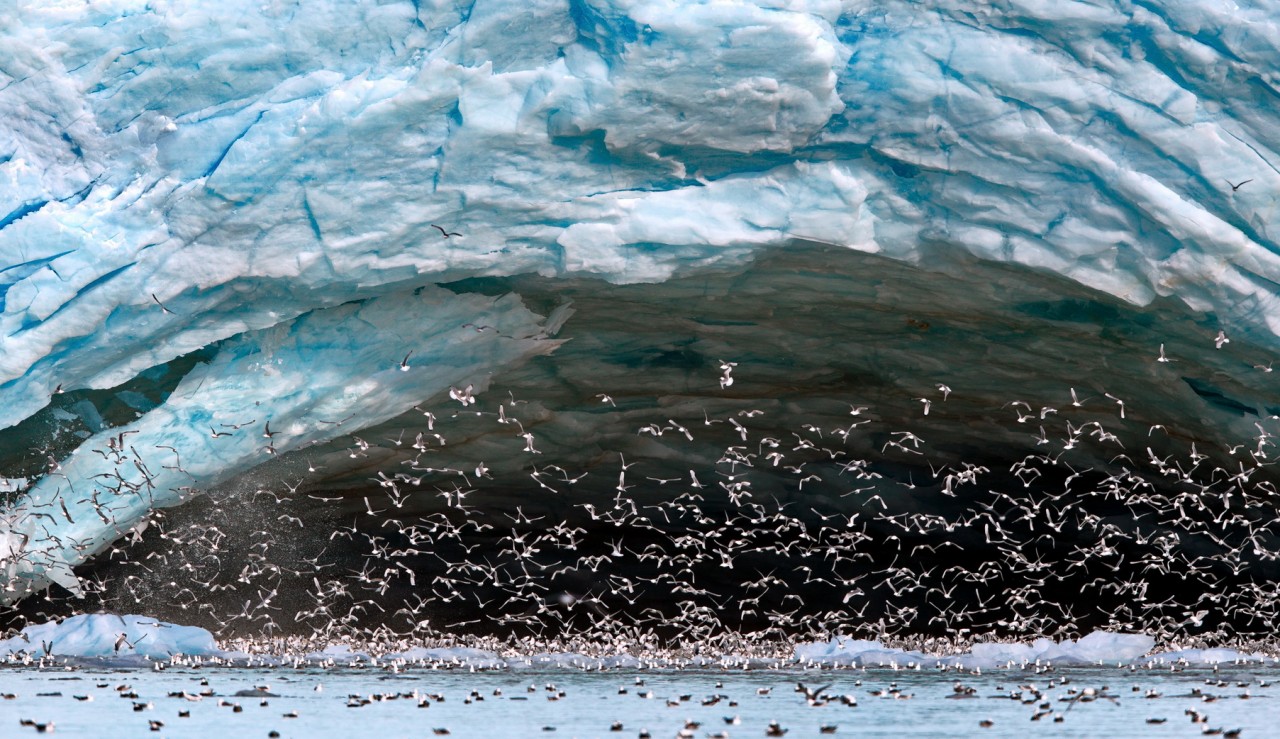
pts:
[233, 236]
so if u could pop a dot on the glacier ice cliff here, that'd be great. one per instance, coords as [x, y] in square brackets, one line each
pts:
[233, 232]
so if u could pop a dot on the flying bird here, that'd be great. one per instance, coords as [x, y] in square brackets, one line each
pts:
[162, 306]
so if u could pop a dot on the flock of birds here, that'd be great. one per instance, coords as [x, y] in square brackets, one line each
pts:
[850, 524]
[1046, 697]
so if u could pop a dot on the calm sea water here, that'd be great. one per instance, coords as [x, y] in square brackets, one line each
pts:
[565, 703]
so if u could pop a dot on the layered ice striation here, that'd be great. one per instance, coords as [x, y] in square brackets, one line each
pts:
[265, 195]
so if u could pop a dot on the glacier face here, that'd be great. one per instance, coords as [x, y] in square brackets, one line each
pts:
[245, 164]
[205, 185]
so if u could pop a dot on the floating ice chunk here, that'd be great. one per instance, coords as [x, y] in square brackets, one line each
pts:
[992, 654]
[1209, 656]
[339, 654]
[1098, 647]
[111, 635]
[572, 660]
[818, 651]
[462, 656]
[854, 652]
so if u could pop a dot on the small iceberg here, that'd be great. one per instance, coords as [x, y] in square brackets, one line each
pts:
[110, 635]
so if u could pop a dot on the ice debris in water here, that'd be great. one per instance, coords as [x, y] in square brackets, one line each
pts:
[1097, 648]
[110, 635]
[115, 636]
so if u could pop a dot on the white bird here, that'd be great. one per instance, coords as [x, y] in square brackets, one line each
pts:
[1118, 401]
[462, 396]
[123, 641]
[1162, 357]
[726, 379]
[1220, 339]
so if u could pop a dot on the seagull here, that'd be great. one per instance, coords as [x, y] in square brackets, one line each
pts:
[123, 641]
[1237, 185]
[1220, 339]
[1162, 357]
[727, 378]
[404, 363]
[445, 233]
[462, 396]
[810, 695]
[166, 310]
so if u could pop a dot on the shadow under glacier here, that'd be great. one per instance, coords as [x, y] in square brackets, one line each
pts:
[833, 486]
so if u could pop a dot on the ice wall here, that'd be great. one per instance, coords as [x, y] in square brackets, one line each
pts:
[175, 176]
[242, 164]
